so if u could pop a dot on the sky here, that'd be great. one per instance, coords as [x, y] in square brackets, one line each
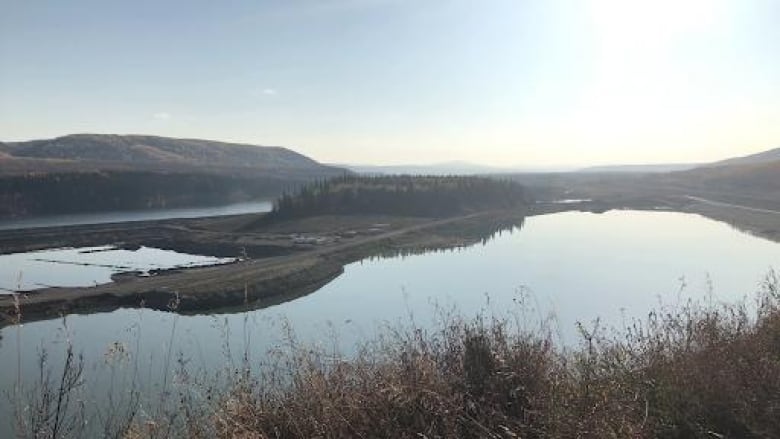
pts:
[531, 83]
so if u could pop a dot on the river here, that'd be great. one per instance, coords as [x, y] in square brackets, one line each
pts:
[556, 271]
[134, 215]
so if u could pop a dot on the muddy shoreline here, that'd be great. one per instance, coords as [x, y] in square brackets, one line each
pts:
[281, 261]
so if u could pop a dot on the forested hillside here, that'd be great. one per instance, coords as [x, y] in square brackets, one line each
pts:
[135, 150]
[115, 191]
[91, 172]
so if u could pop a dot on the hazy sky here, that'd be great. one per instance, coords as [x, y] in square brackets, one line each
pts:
[507, 82]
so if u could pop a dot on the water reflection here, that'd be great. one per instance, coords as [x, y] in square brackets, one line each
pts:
[97, 265]
[452, 238]
[569, 267]
[129, 216]
[88, 266]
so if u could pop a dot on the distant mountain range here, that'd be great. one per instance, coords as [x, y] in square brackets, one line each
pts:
[467, 168]
[772, 155]
[445, 168]
[749, 181]
[671, 167]
[93, 172]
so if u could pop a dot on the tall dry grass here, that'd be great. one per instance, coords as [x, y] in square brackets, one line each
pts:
[695, 371]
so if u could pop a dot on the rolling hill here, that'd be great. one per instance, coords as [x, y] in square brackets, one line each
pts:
[134, 152]
[751, 181]
[754, 180]
[761, 157]
[99, 172]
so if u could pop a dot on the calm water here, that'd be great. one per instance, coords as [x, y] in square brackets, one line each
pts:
[141, 215]
[571, 266]
[87, 266]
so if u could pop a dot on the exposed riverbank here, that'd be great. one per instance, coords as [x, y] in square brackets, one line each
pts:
[280, 261]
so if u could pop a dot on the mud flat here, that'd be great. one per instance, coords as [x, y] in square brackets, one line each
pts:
[281, 261]
[285, 260]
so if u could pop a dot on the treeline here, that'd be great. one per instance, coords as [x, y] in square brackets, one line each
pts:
[399, 195]
[38, 194]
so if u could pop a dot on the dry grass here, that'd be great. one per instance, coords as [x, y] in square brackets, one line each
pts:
[693, 372]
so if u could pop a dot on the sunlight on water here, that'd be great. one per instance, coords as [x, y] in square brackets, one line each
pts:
[560, 269]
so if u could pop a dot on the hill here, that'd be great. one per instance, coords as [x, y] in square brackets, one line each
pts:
[752, 183]
[752, 180]
[98, 172]
[761, 157]
[671, 167]
[134, 152]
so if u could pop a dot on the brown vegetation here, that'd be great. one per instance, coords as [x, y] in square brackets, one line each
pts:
[136, 151]
[693, 372]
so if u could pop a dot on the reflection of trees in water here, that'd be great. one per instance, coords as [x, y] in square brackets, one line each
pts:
[763, 231]
[452, 237]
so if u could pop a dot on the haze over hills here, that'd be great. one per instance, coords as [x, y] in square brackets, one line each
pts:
[93, 172]
[752, 181]
[761, 157]
[759, 174]
[755, 177]
[754, 173]
[444, 168]
[669, 167]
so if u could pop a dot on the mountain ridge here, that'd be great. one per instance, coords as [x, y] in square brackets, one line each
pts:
[135, 148]
[455, 167]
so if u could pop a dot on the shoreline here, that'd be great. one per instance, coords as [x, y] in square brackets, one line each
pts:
[280, 269]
